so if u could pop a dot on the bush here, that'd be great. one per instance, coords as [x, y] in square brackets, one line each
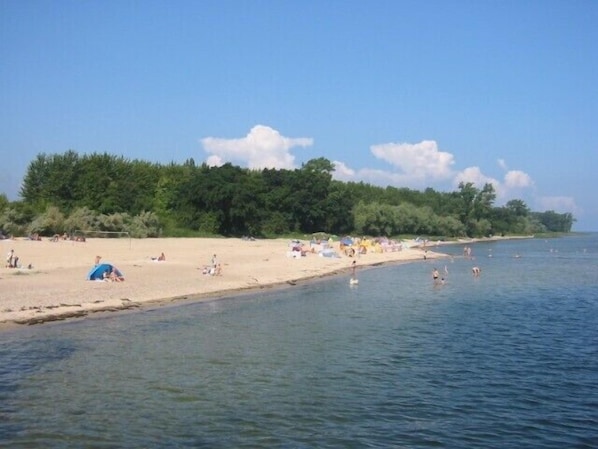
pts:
[49, 223]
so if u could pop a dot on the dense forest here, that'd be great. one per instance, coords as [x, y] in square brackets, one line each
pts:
[63, 193]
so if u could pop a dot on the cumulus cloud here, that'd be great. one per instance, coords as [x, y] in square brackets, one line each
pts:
[558, 204]
[342, 171]
[376, 177]
[513, 185]
[262, 147]
[423, 165]
[417, 161]
[418, 165]
[517, 179]
[477, 178]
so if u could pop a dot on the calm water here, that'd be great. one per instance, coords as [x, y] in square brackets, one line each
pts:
[506, 360]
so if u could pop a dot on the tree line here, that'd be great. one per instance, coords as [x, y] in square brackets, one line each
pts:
[61, 193]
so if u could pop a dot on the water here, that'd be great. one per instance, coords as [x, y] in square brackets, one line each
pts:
[505, 360]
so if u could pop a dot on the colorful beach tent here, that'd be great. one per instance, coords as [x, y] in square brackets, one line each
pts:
[97, 272]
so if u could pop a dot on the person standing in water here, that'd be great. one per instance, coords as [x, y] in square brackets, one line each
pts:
[353, 279]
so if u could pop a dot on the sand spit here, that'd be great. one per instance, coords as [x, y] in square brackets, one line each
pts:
[52, 281]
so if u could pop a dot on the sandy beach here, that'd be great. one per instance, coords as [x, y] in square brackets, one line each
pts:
[56, 285]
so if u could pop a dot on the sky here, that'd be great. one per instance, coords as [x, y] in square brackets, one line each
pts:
[413, 94]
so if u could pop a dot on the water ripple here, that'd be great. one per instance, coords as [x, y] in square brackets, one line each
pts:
[508, 360]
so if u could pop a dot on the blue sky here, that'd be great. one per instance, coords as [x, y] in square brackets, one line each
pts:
[407, 93]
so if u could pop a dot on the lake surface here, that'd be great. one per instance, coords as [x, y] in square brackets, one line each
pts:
[508, 359]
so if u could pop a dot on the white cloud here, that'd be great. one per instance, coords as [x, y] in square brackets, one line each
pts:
[263, 147]
[419, 165]
[214, 161]
[376, 177]
[558, 204]
[422, 165]
[420, 161]
[514, 184]
[477, 178]
[385, 178]
[342, 171]
[516, 179]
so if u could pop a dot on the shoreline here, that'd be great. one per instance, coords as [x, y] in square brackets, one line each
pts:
[55, 287]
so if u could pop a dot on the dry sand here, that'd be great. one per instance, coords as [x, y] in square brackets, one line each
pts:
[56, 288]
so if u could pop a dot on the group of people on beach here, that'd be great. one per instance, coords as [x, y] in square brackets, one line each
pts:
[12, 260]
[113, 275]
[214, 269]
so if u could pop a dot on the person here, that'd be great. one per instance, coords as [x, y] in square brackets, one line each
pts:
[9, 258]
[160, 258]
[214, 262]
[115, 276]
[353, 279]
[476, 271]
[97, 260]
[435, 275]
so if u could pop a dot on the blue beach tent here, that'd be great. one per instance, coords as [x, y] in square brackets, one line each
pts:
[97, 272]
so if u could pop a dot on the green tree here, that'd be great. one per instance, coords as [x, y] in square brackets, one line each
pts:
[4, 203]
[467, 194]
[555, 222]
[483, 202]
[103, 191]
[338, 210]
[375, 219]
